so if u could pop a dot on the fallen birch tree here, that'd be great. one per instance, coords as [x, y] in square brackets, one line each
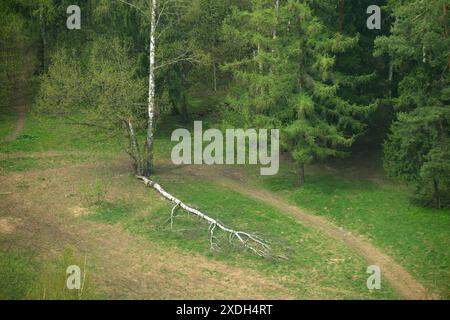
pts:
[248, 241]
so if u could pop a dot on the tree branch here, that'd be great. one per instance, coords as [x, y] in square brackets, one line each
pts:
[181, 57]
[251, 242]
[134, 6]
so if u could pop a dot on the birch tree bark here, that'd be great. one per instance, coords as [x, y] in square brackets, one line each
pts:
[133, 149]
[277, 10]
[147, 158]
[148, 166]
[247, 240]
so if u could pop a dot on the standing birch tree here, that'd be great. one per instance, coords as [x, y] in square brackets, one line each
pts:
[148, 162]
[161, 16]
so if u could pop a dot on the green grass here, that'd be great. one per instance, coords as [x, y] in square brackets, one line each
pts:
[17, 276]
[44, 133]
[418, 238]
[7, 115]
[311, 269]
[7, 124]
[20, 164]
[112, 212]
[23, 276]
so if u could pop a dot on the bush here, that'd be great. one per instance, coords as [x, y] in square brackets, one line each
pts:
[94, 193]
[417, 151]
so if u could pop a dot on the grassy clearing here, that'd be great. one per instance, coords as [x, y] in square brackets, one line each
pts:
[7, 123]
[317, 267]
[20, 164]
[76, 143]
[418, 238]
[23, 276]
[43, 134]
[7, 115]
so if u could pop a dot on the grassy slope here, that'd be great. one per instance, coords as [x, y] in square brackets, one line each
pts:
[317, 266]
[7, 123]
[418, 238]
[7, 119]
[23, 276]
[70, 144]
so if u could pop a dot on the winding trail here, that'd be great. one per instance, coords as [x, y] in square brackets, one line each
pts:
[399, 278]
[121, 265]
[20, 108]
[19, 100]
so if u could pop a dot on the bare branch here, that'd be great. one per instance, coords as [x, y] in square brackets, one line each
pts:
[134, 6]
[251, 242]
[182, 57]
[161, 12]
[171, 215]
[87, 124]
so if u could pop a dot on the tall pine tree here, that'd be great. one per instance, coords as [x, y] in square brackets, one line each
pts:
[285, 78]
[418, 148]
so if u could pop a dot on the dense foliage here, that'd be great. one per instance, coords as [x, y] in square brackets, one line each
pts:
[286, 79]
[311, 68]
[417, 150]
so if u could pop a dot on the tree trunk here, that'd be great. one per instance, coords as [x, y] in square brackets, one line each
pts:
[341, 15]
[89, 13]
[391, 75]
[148, 162]
[134, 151]
[183, 96]
[437, 196]
[214, 76]
[173, 102]
[43, 38]
[247, 240]
[261, 69]
[277, 10]
[301, 175]
[445, 12]
[184, 108]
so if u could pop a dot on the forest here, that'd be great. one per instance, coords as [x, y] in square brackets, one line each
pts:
[287, 147]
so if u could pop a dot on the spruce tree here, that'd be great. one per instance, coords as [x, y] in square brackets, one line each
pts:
[285, 78]
[418, 148]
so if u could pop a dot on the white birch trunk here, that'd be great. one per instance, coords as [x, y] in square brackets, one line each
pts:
[151, 91]
[251, 242]
[277, 10]
[134, 151]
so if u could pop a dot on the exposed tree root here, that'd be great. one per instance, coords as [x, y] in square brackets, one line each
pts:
[249, 241]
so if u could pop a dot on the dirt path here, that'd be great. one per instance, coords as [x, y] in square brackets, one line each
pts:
[20, 109]
[44, 216]
[19, 98]
[400, 279]
[131, 268]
